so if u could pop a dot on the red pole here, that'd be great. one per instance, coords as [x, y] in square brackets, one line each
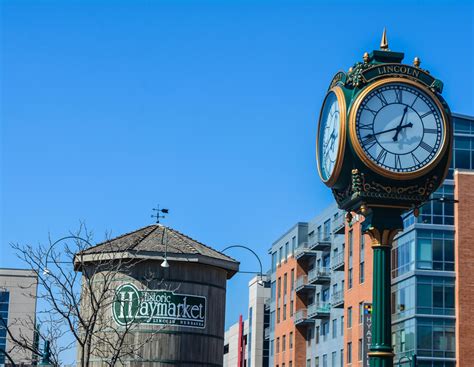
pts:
[240, 343]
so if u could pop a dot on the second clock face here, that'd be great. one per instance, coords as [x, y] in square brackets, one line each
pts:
[399, 127]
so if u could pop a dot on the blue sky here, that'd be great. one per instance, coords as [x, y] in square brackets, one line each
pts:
[208, 108]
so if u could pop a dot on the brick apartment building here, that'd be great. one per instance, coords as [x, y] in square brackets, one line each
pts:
[321, 278]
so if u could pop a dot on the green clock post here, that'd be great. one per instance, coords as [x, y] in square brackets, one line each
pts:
[383, 146]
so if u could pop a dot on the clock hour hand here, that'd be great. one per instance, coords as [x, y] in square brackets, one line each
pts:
[399, 127]
[389, 130]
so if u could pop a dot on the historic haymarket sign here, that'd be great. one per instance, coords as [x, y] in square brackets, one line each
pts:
[158, 307]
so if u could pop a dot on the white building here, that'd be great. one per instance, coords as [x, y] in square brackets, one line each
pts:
[244, 342]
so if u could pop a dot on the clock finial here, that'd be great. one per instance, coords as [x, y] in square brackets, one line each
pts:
[384, 42]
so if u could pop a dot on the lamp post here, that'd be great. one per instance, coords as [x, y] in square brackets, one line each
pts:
[46, 271]
[260, 282]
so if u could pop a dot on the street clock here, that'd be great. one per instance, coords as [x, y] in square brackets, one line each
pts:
[383, 146]
[384, 134]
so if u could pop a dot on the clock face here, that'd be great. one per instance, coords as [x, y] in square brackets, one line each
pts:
[329, 137]
[399, 127]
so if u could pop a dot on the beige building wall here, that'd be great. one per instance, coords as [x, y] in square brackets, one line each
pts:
[22, 286]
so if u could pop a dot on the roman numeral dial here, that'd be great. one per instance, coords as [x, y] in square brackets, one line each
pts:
[329, 141]
[398, 127]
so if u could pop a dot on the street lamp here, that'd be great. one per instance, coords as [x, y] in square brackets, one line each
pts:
[46, 271]
[259, 282]
[442, 199]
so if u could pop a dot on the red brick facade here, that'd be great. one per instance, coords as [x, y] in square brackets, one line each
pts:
[464, 260]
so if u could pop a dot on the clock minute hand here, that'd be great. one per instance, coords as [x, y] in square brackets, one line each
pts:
[389, 130]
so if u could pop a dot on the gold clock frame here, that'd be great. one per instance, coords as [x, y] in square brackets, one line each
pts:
[358, 148]
[341, 100]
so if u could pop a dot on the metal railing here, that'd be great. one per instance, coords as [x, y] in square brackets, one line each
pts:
[302, 248]
[301, 281]
[338, 224]
[319, 274]
[337, 261]
[319, 309]
[300, 315]
[337, 298]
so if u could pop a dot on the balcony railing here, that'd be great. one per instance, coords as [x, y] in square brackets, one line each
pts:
[337, 262]
[303, 250]
[319, 310]
[302, 284]
[337, 300]
[321, 244]
[339, 225]
[319, 275]
[301, 317]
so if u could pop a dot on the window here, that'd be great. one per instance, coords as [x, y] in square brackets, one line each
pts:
[360, 350]
[284, 312]
[291, 340]
[316, 335]
[278, 345]
[342, 325]
[435, 296]
[327, 229]
[349, 317]
[349, 276]
[342, 357]
[283, 344]
[316, 362]
[436, 212]
[285, 284]
[361, 259]
[278, 315]
[280, 255]
[325, 360]
[279, 287]
[291, 364]
[4, 308]
[287, 245]
[308, 363]
[349, 352]
[334, 328]
[436, 338]
[333, 359]
[435, 250]
[292, 279]
[291, 308]
[361, 312]
[351, 245]
[293, 244]
[403, 255]
[274, 262]
[325, 330]
[226, 348]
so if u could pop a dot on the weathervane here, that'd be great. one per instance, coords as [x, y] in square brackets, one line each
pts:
[158, 211]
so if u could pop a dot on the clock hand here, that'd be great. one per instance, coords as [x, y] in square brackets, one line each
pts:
[387, 131]
[399, 127]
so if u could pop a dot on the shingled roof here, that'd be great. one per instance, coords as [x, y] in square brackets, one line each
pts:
[150, 239]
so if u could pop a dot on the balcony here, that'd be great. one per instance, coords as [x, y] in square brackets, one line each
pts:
[319, 276]
[266, 333]
[302, 284]
[301, 317]
[339, 225]
[321, 244]
[303, 250]
[319, 310]
[337, 300]
[267, 303]
[337, 262]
